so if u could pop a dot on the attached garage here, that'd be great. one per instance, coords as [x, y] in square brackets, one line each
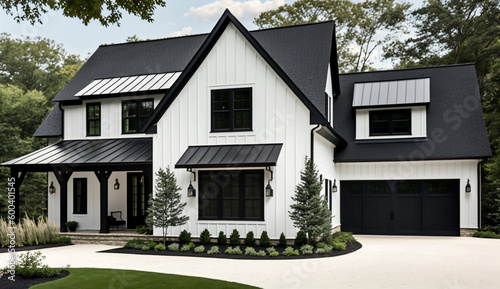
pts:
[413, 207]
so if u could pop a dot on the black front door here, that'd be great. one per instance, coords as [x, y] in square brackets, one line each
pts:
[137, 199]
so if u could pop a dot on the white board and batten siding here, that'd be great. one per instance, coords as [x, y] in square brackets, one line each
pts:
[278, 117]
[75, 122]
[422, 170]
[324, 161]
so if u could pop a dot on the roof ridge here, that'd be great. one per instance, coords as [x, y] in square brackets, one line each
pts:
[411, 68]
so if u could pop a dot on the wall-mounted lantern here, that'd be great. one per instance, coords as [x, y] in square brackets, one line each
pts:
[269, 189]
[467, 187]
[52, 189]
[191, 189]
[334, 187]
[117, 185]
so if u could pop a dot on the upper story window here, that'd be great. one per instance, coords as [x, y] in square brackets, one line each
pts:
[232, 110]
[93, 119]
[390, 122]
[135, 113]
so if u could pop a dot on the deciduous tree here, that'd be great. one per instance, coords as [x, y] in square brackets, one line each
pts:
[105, 11]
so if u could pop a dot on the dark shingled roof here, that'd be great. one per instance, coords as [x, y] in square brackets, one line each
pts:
[303, 52]
[52, 125]
[452, 88]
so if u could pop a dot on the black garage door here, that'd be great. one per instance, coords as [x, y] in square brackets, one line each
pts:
[429, 207]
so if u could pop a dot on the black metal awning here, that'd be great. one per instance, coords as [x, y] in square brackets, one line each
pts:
[217, 156]
[84, 154]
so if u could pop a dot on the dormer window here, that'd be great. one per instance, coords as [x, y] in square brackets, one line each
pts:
[135, 113]
[232, 110]
[390, 122]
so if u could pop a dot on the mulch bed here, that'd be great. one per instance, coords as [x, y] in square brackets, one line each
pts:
[35, 247]
[349, 249]
[25, 283]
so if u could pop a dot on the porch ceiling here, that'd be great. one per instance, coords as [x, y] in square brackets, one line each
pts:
[114, 154]
[217, 156]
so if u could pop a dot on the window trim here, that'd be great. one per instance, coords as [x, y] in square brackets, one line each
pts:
[220, 198]
[390, 112]
[230, 110]
[137, 117]
[83, 197]
[88, 119]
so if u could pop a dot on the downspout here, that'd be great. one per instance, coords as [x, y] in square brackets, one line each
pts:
[479, 165]
[62, 120]
[312, 141]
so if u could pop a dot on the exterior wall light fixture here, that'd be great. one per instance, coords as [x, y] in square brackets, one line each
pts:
[269, 189]
[52, 189]
[334, 187]
[191, 189]
[117, 185]
[467, 187]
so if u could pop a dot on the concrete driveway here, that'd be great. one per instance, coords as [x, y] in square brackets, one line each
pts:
[383, 262]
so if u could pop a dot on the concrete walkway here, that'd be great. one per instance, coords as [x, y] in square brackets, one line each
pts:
[383, 262]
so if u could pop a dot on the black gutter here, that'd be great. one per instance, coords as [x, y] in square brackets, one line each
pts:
[312, 141]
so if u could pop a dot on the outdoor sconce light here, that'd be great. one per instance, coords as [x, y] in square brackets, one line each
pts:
[334, 187]
[269, 189]
[467, 187]
[117, 185]
[191, 190]
[52, 189]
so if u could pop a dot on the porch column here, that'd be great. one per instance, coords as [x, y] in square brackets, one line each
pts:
[62, 175]
[103, 177]
[15, 183]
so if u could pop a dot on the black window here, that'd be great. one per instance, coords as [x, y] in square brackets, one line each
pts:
[135, 113]
[232, 109]
[390, 122]
[231, 195]
[80, 196]
[93, 119]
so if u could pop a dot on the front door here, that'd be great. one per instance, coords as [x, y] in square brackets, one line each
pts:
[137, 199]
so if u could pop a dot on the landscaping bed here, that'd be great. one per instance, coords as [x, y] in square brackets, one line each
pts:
[222, 248]
[35, 247]
[25, 283]
[337, 244]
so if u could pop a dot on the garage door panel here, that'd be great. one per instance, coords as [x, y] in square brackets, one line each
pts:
[416, 207]
[350, 213]
[377, 215]
[408, 216]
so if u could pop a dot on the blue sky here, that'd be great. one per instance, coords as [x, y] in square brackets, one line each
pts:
[181, 17]
[176, 19]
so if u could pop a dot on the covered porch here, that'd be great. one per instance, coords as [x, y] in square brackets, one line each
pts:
[97, 159]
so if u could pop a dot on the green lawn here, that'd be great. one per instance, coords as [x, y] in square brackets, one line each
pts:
[92, 278]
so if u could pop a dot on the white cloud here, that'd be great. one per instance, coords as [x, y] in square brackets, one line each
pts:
[245, 9]
[184, 31]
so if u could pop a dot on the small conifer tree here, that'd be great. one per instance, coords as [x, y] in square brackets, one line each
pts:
[165, 207]
[310, 211]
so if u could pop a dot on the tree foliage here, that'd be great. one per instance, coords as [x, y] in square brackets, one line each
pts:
[105, 11]
[357, 25]
[165, 206]
[36, 64]
[20, 115]
[310, 211]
